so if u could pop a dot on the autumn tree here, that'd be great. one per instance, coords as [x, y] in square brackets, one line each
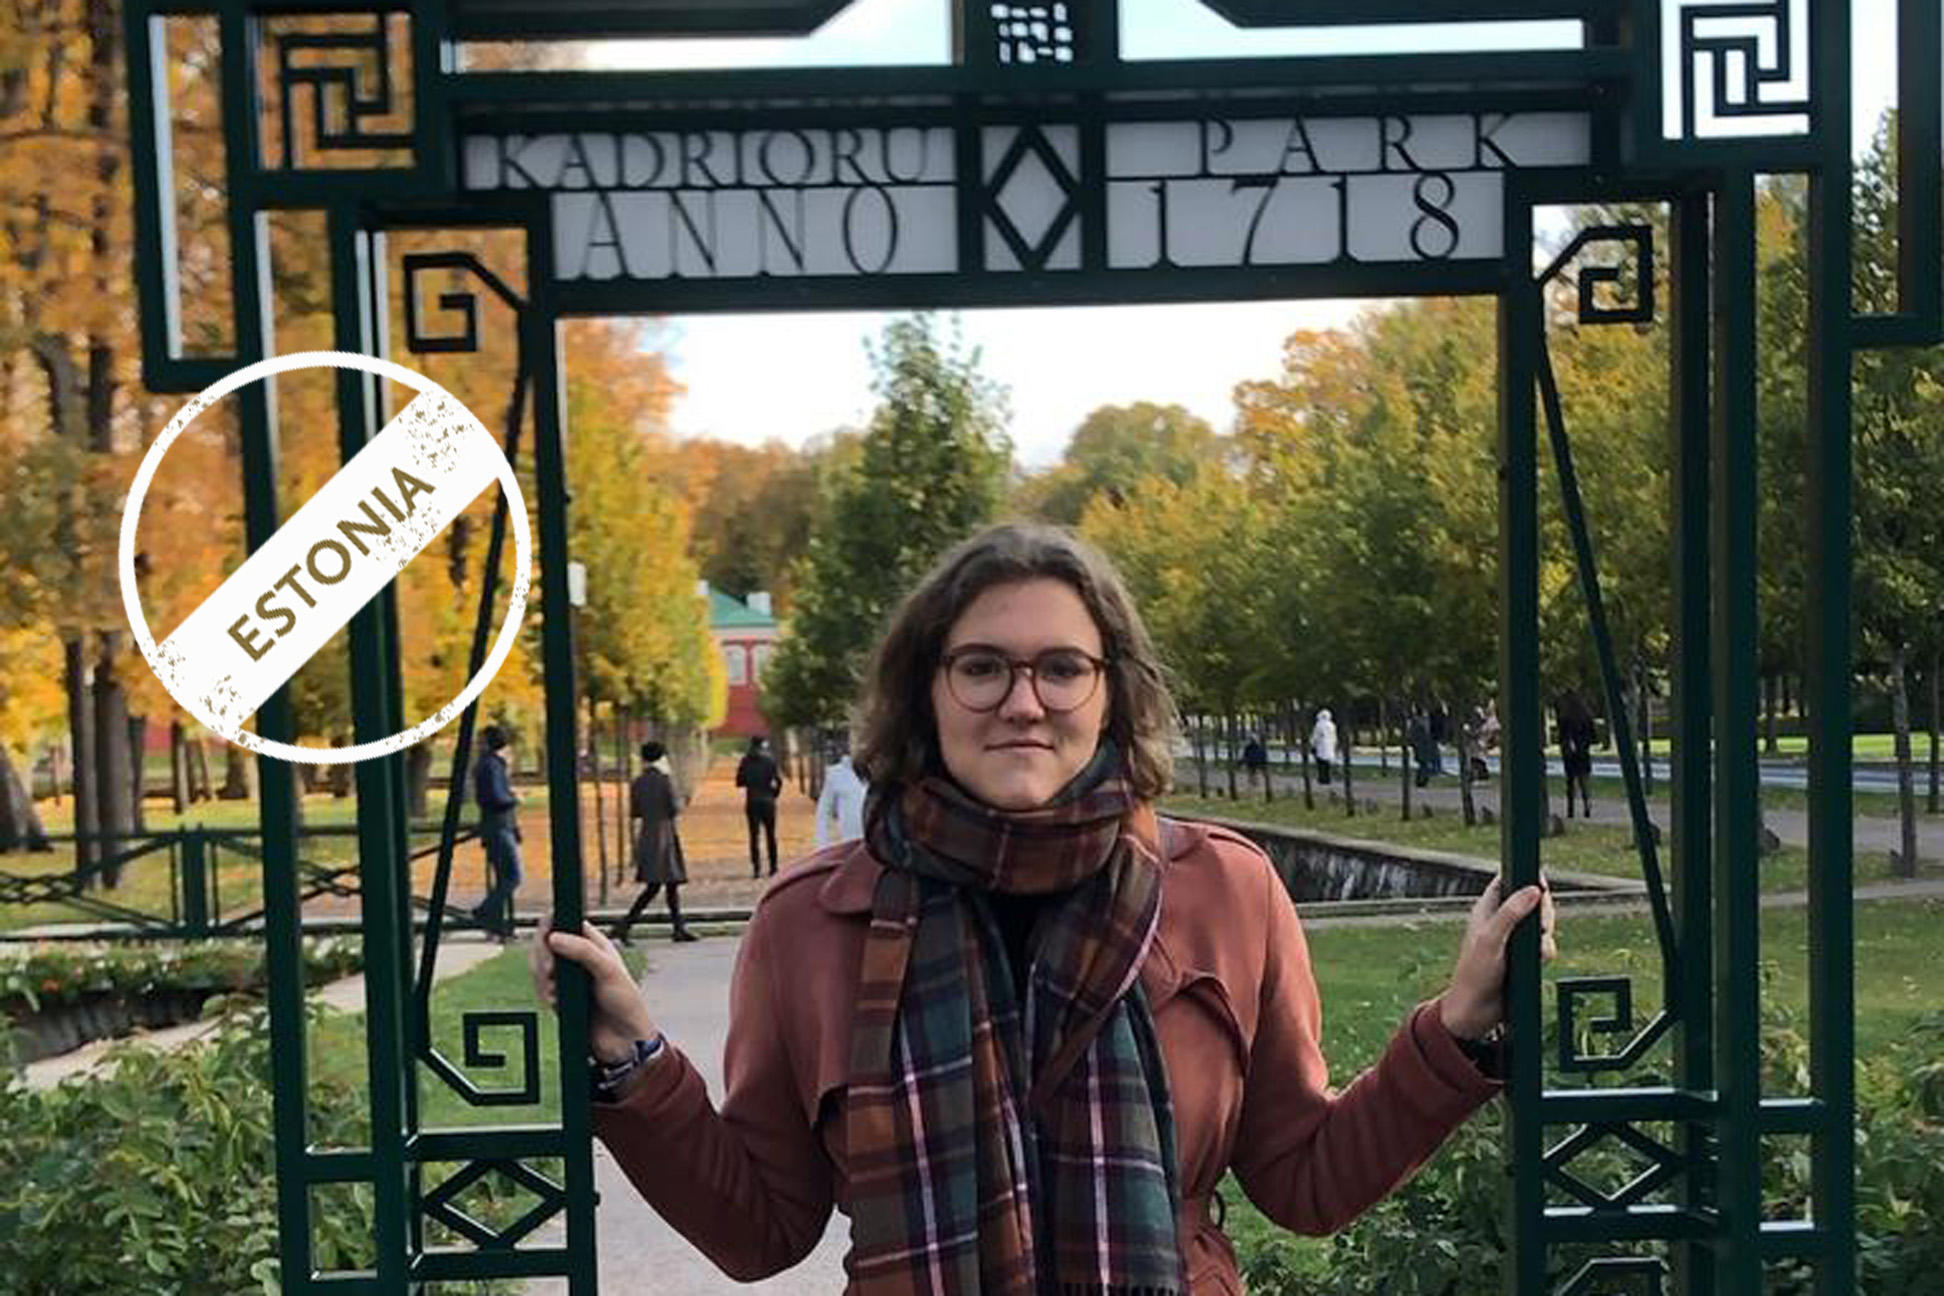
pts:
[1114, 447]
[928, 471]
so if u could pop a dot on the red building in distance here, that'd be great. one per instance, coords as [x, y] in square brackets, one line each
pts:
[745, 633]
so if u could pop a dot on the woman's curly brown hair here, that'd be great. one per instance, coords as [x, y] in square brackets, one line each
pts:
[897, 735]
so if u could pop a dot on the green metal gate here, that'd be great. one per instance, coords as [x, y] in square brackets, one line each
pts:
[1040, 167]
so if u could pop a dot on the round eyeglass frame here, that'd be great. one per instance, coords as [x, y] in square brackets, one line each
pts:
[1014, 665]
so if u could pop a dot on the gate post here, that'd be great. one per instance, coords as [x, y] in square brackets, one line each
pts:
[195, 881]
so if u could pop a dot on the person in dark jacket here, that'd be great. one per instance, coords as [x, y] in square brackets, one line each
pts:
[1255, 762]
[499, 832]
[1577, 734]
[761, 783]
[658, 861]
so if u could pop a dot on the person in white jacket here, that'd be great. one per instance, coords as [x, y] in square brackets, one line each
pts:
[840, 809]
[1323, 744]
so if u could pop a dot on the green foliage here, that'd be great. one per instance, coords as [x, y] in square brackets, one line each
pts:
[927, 473]
[1114, 449]
[161, 1178]
[54, 974]
[1442, 1234]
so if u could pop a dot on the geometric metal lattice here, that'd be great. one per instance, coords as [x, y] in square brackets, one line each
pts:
[345, 79]
[1617, 1276]
[1033, 188]
[1660, 1164]
[1743, 68]
[523, 1093]
[1034, 33]
[442, 1203]
[1573, 1021]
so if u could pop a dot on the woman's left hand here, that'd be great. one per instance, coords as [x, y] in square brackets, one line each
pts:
[1474, 1002]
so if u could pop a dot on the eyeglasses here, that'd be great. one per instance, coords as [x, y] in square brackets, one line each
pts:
[981, 679]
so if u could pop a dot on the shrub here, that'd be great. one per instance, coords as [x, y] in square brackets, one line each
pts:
[161, 1176]
[54, 974]
[1442, 1234]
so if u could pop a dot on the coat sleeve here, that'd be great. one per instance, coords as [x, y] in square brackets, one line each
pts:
[749, 1185]
[1313, 1159]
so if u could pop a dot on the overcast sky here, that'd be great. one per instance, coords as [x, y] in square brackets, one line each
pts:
[791, 377]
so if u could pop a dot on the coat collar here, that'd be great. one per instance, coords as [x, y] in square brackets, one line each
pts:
[854, 874]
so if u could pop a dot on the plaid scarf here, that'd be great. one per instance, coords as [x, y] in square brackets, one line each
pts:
[1001, 1149]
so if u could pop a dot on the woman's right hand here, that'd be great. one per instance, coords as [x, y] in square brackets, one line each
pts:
[617, 1013]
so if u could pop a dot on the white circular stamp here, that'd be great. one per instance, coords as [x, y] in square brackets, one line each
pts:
[347, 542]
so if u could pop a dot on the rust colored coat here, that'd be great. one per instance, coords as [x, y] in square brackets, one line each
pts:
[1235, 1005]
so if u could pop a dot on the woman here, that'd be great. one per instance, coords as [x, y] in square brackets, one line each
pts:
[658, 862]
[1323, 744]
[1021, 1030]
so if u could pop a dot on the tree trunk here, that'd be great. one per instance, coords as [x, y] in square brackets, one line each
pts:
[1770, 746]
[1231, 724]
[1346, 748]
[339, 779]
[1383, 735]
[178, 768]
[239, 777]
[87, 806]
[1906, 861]
[1199, 739]
[199, 786]
[56, 760]
[1646, 712]
[1465, 801]
[1307, 763]
[113, 778]
[1931, 806]
[418, 782]
[600, 810]
[138, 772]
[621, 794]
[1404, 763]
[20, 825]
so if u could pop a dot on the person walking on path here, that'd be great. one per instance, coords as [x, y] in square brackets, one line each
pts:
[1323, 744]
[840, 806]
[761, 782]
[982, 1029]
[1576, 735]
[499, 832]
[1424, 747]
[1255, 761]
[658, 862]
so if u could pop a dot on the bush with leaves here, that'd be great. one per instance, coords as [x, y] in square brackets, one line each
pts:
[54, 974]
[161, 1175]
[1442, 1234]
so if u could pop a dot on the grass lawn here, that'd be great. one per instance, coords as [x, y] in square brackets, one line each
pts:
[1586, 847]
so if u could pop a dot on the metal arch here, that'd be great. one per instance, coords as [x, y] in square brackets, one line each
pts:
[1617, 81]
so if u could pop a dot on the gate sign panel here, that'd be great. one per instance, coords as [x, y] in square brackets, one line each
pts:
[862, 201]
[716, 204]
[1311, 190]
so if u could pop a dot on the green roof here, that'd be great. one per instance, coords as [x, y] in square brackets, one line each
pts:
[729, 613]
